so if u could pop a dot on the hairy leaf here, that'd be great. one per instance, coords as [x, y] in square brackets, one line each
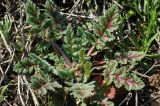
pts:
[81, 90]
[42, 85]
[105, 26]
[109, 21]
[135, 56]
[25, 66]
[119, 77]
[33, 13]
[74, 42]
[42, 63]
[129, 80]
[109, 71]
[130, 56]
[5, 27]
[132, 82]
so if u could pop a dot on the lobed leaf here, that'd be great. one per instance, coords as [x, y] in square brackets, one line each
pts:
[81, 90]
[106, 25]
[130, 56]
[135, 56]
[33, 13]
[74, 42]
[25, 66]
[132, 82]
[109, 21]
[129, 80]
[119, 77]
[109, 71]
[43, 63]
[42, 85]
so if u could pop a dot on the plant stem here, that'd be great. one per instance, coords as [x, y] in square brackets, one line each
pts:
[153, 55]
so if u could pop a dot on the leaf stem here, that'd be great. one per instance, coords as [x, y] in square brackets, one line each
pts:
[153, 55]
[58, 49]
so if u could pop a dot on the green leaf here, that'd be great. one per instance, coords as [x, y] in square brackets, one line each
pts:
[87, 69]
[36, 29]
[47, 23]
[36, 83]
[42, 85]
[33, 13]
[53, 11]
[59, 66]
[2, 91]
[43, 63]
[69, 40]
[43, 47]
[81, 56]
[81, 90]
[25, 66]
[107, 37]
[74, 42]
[121, 58]
[5, 27]
[50, 7]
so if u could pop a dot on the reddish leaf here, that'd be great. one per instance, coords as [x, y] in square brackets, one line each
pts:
[109, 21]
[99, 79]
[134, 55]
[110, 92]
[109, 71]
[131, 56]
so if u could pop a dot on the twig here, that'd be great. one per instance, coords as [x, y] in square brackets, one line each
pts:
[104, 7]
[64, 1]
[96, 5]
[35, 100]
[7, 102]
[150, 69]
[19, 91]
[117, 4]
[142, 75]
[7, 61]
[82, 16]
[7, 68]
[21, 22]
[128, 97]
[75, 4]
[136, 98]
[98, 68]
[1, 70]
[90, 50]
[27, 98]
[150, 100]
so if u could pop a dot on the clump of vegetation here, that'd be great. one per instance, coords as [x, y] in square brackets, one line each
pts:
[60, 62]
